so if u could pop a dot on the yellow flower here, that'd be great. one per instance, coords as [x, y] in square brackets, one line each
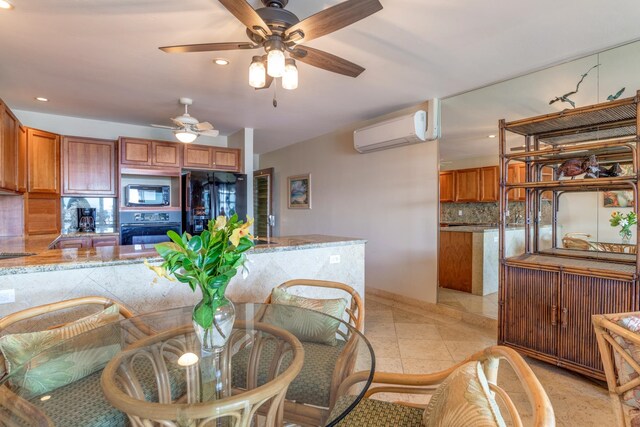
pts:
[240, 232]
[160, 271]
[221, 222]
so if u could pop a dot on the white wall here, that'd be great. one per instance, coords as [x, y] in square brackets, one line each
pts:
[243, 139]
[388, 197]
[76, 126]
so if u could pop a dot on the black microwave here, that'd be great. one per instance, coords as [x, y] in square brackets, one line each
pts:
[147, 195]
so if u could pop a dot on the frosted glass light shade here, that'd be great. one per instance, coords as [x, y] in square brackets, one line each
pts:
[257, 73]
[290, 76]
[185, 137]
[275, 63]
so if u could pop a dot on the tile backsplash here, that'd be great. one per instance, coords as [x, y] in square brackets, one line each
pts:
[487, 213]
[105, 211]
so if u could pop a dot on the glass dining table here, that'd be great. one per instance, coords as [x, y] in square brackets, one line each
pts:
[280, 362]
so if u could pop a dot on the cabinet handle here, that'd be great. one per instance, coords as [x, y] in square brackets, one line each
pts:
[563, 317]
[554, 315]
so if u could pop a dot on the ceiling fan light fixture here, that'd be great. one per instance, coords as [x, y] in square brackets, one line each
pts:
[290, 76]
[275, 63]
[257, 73]
[185, 136]
[5, 4]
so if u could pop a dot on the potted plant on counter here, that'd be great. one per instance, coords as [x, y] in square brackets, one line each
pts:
[625, 222]
[208, 262]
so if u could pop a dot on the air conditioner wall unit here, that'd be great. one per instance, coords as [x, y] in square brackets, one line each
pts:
[404, 130]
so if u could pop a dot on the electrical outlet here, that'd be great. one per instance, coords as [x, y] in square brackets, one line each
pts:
[334, 259]
[7, 296]
[460, 212]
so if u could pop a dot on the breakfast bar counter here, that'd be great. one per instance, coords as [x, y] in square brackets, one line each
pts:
[119, 272]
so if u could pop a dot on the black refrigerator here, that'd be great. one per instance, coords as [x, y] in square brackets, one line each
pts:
[207, 195]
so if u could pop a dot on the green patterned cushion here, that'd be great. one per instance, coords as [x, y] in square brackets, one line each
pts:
[313, 383]
[319, 329]
[463, 400]
[63, 364]
[376, 413]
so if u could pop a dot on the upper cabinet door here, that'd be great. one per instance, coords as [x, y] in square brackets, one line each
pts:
[135, 151]
[165, 154]
[489, 184]
[226, 159]
[516, 175]
[44, 161]
[446, 186]
[198, 156]
[22, 159]
[88, 167]
[467, 185]
[9, 147]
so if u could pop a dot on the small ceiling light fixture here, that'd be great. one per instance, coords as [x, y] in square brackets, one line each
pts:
[188, 359]
[185, 136]
[275, 57]
[290, 76]
[221, 61]
[491, 136]
[257, 73]
[40, 98]
[5, 4]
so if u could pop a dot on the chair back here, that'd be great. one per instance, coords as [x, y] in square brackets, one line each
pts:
[355, 309]
[605, 330]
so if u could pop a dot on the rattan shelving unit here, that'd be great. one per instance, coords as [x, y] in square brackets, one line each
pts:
[548, 294]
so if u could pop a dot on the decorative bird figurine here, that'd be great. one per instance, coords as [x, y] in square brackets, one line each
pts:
[616, 96]
[575, 167]
[565, 97]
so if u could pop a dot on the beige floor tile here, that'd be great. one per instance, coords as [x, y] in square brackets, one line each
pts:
[383, 315]
[389, 364]
[404, 316]
[463, 332]
[423, 349]
[385, 347]
[460, 350]
[417, 331]
[380, 329]
[424, 366]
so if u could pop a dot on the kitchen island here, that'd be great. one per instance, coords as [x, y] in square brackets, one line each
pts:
[118, 272]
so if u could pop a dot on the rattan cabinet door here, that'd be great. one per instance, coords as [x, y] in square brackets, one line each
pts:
[529, 312]
[580, 298]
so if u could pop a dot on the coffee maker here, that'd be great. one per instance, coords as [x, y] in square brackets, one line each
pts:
[86, 220]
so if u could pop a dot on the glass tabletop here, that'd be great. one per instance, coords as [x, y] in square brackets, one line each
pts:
[151, 367]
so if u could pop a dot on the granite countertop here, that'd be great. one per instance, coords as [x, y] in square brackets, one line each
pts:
[482, 228]
[40, 243]
[67, 259]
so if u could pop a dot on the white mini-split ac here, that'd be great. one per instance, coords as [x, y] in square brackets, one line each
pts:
[413, 128]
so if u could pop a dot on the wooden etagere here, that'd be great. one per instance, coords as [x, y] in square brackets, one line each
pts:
[548, 294]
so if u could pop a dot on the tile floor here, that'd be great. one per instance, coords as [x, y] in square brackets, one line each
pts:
[484, 305]
[408, 340]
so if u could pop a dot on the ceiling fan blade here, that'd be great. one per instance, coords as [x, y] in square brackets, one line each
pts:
[212, 132]
[247, 15]
[202, 126]
[326, 61]
[178, 123]
[333, 19]
[267, 83]
[208, 47]
[165, 127]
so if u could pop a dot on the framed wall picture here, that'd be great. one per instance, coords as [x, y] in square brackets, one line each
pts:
[618, 199]
[300, 191]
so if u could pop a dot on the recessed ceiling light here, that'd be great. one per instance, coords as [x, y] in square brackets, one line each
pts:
[40, 98]
[4, 4]
[218, 61]
[491, 136]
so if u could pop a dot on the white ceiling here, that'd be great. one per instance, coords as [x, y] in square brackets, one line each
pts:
[99, 59]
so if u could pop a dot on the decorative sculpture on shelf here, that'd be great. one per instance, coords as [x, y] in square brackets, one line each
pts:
[575, 167]
[616, 96]
[614, 170]
[565, 97]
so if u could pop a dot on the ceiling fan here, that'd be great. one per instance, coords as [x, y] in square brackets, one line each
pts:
[278, 30]
[187, 128]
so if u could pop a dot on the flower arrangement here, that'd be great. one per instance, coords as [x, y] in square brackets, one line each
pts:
[625, 222]
[208, 262]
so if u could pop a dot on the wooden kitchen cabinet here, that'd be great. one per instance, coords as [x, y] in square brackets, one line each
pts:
[42, 213]
[226, 159]
[73, 243]
[43, 155]
[489, 188]
[454, 261]
[165, 154]
[467, 185]
[9, 127]
[517, 175]
[22, 159]
[211, 158]
[99, 242]
[135, 151]
[447, 186]
[89, 167]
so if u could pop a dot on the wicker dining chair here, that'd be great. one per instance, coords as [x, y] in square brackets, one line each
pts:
[618, 337]
[459, 395]
[29, 410]
[343, 358]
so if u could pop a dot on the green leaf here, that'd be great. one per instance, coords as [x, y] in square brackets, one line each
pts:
[203, 315]
[175, 237]
[195, 244]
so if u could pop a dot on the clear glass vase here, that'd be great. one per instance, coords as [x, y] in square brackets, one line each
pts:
[214, 337]
[626, 237]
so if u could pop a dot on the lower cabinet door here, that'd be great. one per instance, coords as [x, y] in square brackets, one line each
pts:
[99, 242]
[73, 243]
[529, 317]
[580, 298]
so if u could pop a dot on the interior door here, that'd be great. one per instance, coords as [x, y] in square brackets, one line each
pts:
[263, 202]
